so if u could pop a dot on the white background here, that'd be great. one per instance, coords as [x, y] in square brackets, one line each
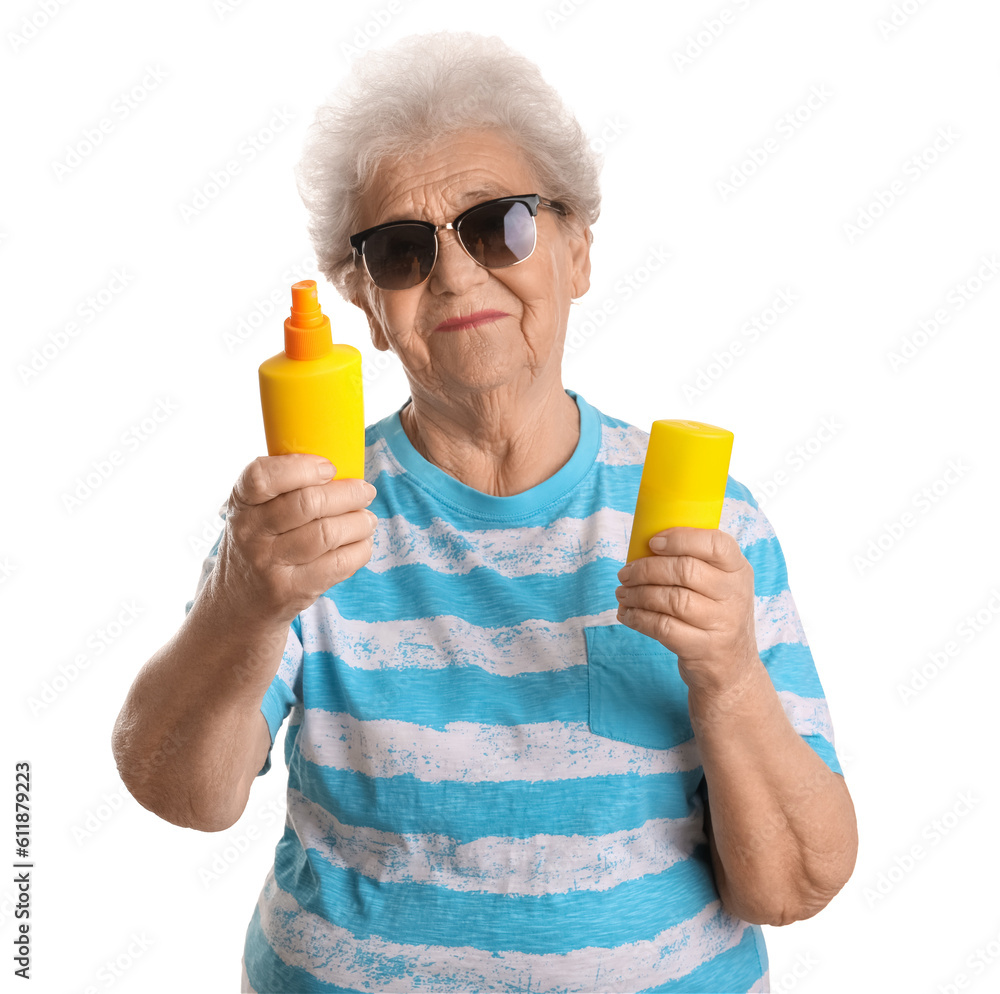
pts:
[122, 899]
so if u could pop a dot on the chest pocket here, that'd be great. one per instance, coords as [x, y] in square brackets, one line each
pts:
[636, 693]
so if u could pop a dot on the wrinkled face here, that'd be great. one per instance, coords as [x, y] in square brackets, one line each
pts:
[518, 313]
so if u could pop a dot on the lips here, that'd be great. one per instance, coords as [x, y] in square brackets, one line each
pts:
[469, 320]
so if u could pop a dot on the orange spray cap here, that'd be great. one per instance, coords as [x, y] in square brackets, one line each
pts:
[307, 329]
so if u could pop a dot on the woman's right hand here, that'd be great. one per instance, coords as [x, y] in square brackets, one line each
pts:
[291, 533]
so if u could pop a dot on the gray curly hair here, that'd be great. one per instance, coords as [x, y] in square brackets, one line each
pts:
[420, 89]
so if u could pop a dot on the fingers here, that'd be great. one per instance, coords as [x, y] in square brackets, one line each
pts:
[697, 607]
[710, 563]
[710, 545]
[276, 494]
[674, 570]
[676, 602]
[290, 511]
[291, 533]
[332, 566]
[672, 632]
[311, 541]
[268, 476]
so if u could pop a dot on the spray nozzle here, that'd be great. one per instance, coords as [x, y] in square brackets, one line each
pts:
[307, 329]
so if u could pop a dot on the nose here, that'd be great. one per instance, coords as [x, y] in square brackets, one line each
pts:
[455, 271]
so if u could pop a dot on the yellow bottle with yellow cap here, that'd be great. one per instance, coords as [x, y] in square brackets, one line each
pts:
[683, 480]
[310, 394]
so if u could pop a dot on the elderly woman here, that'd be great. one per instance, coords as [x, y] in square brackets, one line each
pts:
[512, 764]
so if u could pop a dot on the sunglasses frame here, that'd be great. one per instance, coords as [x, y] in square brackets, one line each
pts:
[530, 200]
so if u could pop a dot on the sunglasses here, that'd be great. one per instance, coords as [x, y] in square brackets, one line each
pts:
[495, 234]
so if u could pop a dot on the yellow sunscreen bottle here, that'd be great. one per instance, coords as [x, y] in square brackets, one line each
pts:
[310, 394]
[683, 480]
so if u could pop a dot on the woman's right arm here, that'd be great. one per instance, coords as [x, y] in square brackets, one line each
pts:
[190, 738]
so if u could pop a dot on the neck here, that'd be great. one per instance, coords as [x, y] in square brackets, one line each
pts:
[491, 444]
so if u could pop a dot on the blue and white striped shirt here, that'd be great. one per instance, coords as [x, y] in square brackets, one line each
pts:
[492, 784]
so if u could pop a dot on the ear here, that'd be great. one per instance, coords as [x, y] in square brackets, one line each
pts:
[362, 298]
[580, 262]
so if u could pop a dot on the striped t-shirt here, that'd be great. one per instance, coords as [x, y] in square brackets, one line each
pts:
[492, 784]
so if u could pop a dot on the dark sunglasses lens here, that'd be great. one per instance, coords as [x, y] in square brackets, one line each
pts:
[399, 257]
[498, 235]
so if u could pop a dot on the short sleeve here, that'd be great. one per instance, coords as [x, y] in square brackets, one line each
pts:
[285, 691]
[781, 640]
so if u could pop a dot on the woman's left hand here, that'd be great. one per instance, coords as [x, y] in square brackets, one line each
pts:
[695, 595]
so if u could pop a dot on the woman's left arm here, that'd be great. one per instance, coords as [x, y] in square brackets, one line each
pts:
[780, 823]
